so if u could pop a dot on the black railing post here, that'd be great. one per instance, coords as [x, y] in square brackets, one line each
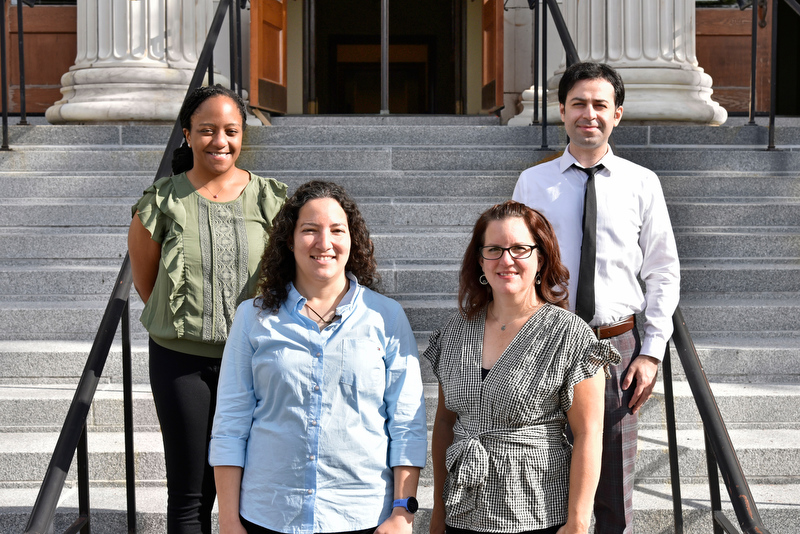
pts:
[84, 512]
[127, 404]
[232, 37]
[239, 70]
[713, 484]
[535, 7]
[720, 441]
[544, 76]
[384, 57]
[3, 80]
[672, 440]
[23, 121]
[753, 58]
[773, 90]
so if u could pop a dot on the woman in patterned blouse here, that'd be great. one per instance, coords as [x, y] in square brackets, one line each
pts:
[514, 367]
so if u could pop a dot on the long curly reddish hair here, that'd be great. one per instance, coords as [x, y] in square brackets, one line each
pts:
[473, 297]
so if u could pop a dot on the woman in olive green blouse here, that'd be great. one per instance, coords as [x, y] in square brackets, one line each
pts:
[195, 243]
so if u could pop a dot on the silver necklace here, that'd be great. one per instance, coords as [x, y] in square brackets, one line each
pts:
[502, 325]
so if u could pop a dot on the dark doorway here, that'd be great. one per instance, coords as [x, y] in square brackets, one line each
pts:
[424, 39]
[788, 67]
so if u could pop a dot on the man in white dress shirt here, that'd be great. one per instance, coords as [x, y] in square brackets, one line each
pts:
[633, 240]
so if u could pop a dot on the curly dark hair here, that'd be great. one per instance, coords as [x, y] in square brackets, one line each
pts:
[277, 263]
[182, 157]
[473, 297]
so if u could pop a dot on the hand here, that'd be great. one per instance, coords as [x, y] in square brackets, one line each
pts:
[644, 369]
[234, 526]
[437, 519]
[571, 529]
[400, 522]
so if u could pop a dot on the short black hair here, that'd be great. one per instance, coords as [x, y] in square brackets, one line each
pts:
[590, 71]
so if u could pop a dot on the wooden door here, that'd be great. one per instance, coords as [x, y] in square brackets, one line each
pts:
[723, 50]
[492, 64]
[268, 55]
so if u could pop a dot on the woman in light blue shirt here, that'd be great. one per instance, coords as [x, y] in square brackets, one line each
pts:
[320, 423]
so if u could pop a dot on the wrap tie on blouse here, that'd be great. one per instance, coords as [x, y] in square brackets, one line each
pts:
[467, 460]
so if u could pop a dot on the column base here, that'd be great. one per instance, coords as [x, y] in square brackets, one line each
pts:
[121, 94]
[651, 94]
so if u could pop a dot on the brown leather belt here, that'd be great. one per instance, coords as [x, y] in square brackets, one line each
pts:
[613, 330]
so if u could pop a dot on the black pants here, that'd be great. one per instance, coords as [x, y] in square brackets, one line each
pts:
[252, 528]
[185, 394]
[549, 530]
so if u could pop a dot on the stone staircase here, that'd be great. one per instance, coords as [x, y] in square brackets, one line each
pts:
[421, 182]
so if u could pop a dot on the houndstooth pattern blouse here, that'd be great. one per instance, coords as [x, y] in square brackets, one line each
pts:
[508, 466]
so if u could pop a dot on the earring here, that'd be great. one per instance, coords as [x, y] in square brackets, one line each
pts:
[291, 247]
[538, 278]
[482, 279]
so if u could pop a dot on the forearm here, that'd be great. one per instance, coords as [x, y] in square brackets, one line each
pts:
[406, 480]
[228, 479]
[583, 478]
[442, 438]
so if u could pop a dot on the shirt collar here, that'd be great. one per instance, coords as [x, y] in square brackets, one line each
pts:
[296, 301]
[567, 160]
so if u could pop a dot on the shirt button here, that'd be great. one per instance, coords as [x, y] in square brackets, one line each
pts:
[316, 388]
[313, 423]
[310, 491]
[311, 457]
[318, 354]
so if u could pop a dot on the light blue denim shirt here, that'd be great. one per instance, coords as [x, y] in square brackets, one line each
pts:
[318, 419]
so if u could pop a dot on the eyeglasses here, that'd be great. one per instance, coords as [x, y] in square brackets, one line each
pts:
[518, 252]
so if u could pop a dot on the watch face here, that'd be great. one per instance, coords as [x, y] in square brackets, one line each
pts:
[412, 505]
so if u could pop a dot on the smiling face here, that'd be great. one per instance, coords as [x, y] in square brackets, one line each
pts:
[215, 136]
[590, 114]
[508, 275]
[321, 243]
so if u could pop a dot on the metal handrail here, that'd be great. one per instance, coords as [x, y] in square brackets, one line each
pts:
[719, 448]
[73, 432]
[569, 49]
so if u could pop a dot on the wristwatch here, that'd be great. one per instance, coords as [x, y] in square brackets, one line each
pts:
[411, 505]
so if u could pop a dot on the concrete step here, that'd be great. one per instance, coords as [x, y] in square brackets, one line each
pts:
[58, 184]
[729, 184]
[398, 242]
[399, 279]
[703, 315]
[736, 212]
[766, 457]
[720, 276]
[43, 407]
[76, 319]
[26, 455]
[61, 362]
[678, 186]
[777, 505]
[440, 211]
[728, 360]
[387, 157]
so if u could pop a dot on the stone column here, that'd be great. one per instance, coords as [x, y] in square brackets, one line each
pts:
[135, 60]
[652, 46]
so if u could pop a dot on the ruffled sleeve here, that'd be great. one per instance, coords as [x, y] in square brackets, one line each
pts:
[272, 195]
[164, 216]
[433, 352]
[590, 356]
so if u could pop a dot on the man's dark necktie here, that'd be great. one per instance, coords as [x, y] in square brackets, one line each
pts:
[584, 298]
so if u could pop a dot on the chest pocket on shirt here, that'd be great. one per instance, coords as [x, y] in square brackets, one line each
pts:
[362, 364]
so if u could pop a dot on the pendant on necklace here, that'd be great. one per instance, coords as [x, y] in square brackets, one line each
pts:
[503, 327]
[215, 196]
